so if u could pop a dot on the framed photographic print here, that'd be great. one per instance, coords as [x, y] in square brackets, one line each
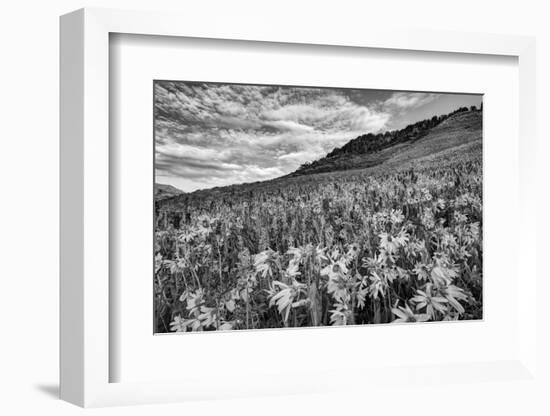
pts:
[252, 213]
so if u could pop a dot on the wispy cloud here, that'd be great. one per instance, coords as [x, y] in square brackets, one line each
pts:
[408, 100]
[224, 134]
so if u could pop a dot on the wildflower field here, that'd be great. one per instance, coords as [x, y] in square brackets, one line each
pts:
[397, 244]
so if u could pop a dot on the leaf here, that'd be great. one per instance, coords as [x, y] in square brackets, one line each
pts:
[226, 326]
[230, 305]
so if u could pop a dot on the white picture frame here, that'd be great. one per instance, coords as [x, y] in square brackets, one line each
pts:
[85, 354]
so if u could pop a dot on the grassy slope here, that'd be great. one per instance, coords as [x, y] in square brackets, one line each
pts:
[459, 135]
[458, 130]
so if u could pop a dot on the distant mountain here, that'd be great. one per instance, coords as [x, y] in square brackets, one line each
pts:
[370, 150]
[166, 191]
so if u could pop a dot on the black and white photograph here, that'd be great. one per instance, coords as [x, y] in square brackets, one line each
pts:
[303, 206]
[247, 208]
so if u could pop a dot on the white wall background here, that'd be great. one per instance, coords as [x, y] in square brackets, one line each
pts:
[29, 115]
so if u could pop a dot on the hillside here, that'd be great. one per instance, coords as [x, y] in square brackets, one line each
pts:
[165, 191]
[424, 138]
[454, 136]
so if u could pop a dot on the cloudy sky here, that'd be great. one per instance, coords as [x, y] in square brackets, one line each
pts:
[209, 135]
